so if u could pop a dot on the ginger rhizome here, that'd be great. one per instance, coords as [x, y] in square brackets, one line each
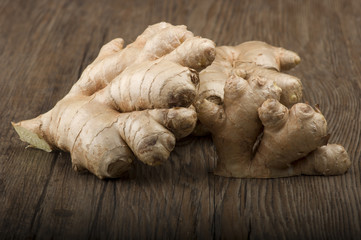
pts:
[138, 101]
[258, 127]
[129, 103]
[251, 60]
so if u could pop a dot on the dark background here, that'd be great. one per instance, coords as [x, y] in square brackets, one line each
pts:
[44, 47]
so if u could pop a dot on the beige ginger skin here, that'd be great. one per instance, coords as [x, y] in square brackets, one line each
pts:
[256, 59]
[131, 102]
[242, 95]
[137, 101]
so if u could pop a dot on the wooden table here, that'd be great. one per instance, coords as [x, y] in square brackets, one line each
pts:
[44, 47]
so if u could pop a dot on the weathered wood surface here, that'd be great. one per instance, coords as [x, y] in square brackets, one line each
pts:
[45, 45]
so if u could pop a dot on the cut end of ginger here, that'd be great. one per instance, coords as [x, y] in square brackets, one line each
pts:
[32, 138]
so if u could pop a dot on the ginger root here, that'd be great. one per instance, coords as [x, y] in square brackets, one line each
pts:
[251, 60]
[244, 97]
[131, 102]
[137, 101]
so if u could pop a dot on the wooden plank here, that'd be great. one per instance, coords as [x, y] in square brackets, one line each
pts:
[44, 46]
[174, 200]
[24, 173]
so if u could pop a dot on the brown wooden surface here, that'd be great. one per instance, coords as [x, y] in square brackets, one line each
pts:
[45, 45]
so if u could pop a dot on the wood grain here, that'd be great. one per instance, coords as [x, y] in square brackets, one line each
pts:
[44, 47]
